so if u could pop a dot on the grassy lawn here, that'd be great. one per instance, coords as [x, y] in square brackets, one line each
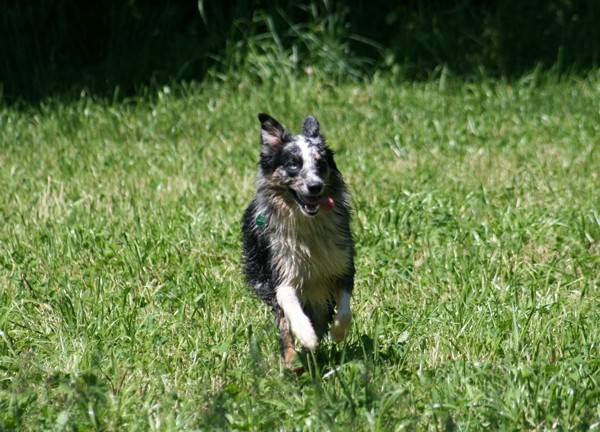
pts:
[477, 223]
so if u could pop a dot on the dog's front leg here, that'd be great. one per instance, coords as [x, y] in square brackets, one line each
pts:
[343, 318]
[288, 301]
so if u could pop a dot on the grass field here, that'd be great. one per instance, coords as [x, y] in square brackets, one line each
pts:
[477, 223]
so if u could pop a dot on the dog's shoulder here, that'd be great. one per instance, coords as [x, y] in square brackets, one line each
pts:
[256, 249]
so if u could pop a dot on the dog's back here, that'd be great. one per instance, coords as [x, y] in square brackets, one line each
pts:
[298, 249]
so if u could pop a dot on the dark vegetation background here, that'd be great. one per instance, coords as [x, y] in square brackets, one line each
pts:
[115, 48]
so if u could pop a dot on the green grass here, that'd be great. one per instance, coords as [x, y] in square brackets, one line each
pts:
[477, 223]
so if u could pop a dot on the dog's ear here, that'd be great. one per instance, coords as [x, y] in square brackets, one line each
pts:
[272, 133]
[311, 128]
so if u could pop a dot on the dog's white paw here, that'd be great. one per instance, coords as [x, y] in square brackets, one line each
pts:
[308, 340]
[341, 327]
[306, 335]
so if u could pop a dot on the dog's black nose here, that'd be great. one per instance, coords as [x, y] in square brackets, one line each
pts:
[315, 187]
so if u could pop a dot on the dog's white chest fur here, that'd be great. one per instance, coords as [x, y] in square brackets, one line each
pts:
[309, 254]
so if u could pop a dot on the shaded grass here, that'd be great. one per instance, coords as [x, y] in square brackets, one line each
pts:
[477, 228]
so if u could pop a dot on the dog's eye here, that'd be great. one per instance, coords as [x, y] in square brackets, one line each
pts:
[293, 166]
[322, 165]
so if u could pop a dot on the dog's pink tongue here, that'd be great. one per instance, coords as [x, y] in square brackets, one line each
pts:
[326, 203]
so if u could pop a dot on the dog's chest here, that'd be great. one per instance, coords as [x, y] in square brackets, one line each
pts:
[310, 257]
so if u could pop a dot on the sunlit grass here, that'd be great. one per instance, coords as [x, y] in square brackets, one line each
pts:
[476, 218]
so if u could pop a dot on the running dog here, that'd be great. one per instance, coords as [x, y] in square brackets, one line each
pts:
[297, 245]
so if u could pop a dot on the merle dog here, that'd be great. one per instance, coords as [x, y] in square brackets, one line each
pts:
[298, 248]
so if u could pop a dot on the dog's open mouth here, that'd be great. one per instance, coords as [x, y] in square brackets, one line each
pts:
[308, 204]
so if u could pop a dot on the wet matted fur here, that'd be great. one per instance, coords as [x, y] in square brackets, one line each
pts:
[298, 248]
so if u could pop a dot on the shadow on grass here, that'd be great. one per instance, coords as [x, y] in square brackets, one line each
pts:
[333, 357]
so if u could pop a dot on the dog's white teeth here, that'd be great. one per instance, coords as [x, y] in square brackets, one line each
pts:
[310, 209]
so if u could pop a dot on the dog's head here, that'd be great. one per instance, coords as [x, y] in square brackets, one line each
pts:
[299, 167]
